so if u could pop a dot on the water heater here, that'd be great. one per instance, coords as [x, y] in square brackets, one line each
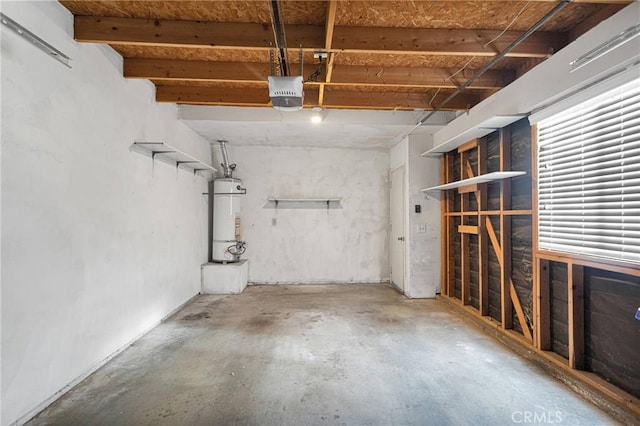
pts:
[227, 242]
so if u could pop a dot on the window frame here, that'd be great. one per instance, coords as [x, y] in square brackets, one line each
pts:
[572, 252]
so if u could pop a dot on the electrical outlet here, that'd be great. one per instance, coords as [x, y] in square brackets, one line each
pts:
[421, 228]
[274, 221]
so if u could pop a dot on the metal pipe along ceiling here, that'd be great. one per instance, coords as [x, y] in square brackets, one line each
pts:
[227, 168]
[279, 37]
[498, 57]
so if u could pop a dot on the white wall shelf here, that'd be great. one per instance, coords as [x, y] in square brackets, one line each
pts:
[173, 156]
[489, 177]
[305, 202]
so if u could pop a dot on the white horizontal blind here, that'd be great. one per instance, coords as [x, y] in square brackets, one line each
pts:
[589, 177]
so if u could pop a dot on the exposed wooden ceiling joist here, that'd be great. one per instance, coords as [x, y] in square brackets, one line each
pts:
[418, 77]
[332, 5]
[172, 69]
[574, 1]
[343, 75]
[100, 29]
[444, 42]
[395, 100]
[382, 54]
[333, 98]
[358, 39]
[223, 95]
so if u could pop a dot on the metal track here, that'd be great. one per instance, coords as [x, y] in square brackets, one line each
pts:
[498, 57]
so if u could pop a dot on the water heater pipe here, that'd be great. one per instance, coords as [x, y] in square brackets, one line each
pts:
[227, 168]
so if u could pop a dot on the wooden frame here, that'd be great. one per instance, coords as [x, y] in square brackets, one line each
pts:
[505, 231]
[444, 240]
[540, 334]
[575, 291]
[590, 381]
[487, 235]
[483, 244]
[465, 172]
[592, 262]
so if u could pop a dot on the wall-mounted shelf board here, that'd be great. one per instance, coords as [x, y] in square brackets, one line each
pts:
[305, 200]
[489, 177]
[482, 129]
[305, 203]
[173, 156]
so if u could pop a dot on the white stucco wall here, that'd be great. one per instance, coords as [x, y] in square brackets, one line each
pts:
[399, 157]
[310, 243]
[98, 245]
[398, 154]
[422, 249]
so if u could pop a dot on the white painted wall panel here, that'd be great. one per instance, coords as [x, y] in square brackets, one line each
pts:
[398, 154]
[98, 245]
[313, 245]
[424, 247]
[422, 250]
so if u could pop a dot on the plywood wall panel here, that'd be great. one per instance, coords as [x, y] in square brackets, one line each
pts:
[612, 334]
[472, 156]
[493, 152]
[522, 266]
[521, 161]
[493, 200]
[495, 311]
[474, 295]
[559, 309]
[456, 176]
[457, 261]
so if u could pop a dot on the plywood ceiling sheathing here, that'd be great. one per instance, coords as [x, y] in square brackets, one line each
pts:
[382, 54]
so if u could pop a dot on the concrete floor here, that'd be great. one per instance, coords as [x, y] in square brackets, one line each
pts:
[322, 354]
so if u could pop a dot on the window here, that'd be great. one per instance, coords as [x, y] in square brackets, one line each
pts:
[589, 177]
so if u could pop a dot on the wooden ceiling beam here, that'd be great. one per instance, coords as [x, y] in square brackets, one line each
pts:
[625, 2]
[330, 24]
[395, 100]
[176, 69]
[333, 98]
[445, 41]
[163, 32]
[223, 96]
[134, 31]
[418, 77]
[579, 1]
[343, 75]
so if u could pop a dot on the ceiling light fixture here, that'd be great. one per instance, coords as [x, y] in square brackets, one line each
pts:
[606, 47]
[316, 118]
